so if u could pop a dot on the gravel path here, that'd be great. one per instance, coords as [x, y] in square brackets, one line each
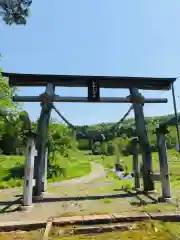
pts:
[91, 184]
[97, 171]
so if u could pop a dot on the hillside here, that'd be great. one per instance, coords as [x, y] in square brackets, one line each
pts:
[127, 130]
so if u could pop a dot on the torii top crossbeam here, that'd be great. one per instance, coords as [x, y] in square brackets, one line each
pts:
[147, 83]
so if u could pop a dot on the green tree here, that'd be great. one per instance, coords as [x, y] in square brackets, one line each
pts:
[13, 122]
[15, 11]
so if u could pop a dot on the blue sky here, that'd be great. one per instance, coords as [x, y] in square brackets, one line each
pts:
[100, 37]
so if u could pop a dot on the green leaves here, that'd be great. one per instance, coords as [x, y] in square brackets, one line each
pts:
[15, 11]
[24, 117]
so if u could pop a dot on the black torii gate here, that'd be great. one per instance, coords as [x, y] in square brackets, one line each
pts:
[93, 83]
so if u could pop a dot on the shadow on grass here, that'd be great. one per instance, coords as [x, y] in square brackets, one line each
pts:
[14, 173]
[8, 204]
[87, 154]
[18, 172]
[124, 194]
[139, 201]
[84, 198]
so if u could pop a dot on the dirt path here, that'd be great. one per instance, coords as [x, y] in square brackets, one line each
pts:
[97, 171]
[91, 194]
[72, 197]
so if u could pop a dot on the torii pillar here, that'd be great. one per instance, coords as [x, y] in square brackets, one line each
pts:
[148, 183]
[42, 130]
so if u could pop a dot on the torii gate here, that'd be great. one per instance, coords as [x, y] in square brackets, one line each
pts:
[93, 83]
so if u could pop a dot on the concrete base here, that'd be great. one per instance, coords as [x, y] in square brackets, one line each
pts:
[164, 200]
[151, 191]
[140, 190]
[37, 198]
[137, 189]
[128, 217]
[44, 194]
[25, 208]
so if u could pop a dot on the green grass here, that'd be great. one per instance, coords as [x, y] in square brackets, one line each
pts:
[174, 166]
[77, 164]
[174, 169]
[11, 171]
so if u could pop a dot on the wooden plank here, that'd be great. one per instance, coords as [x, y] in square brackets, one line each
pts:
[93, 90]
[47, 230]
[70, 221]
[148, 83]
[23, 225]
[85, 99]
[155, 177]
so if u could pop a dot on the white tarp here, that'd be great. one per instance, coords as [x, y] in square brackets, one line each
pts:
[120, 175]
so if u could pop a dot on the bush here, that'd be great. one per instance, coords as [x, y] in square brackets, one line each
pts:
[83, 144]
[110, 149]
[55, 171]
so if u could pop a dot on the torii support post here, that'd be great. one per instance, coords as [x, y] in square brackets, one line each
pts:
[44, 179]
[41, 139]
[163, 162]
[85, 99]
[29, 171]
[136, 169]
[118, 166]
[148, 183]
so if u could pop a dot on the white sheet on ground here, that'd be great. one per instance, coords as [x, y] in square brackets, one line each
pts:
[120, 175]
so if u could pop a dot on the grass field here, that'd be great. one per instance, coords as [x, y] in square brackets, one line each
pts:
[77, 164]
[174, 167]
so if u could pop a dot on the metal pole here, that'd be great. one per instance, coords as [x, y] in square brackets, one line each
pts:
[176, 115]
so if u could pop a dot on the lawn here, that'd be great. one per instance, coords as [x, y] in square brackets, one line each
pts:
[77, 164]
[174, 167]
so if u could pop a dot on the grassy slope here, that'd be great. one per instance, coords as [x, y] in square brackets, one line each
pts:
[12, 168]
